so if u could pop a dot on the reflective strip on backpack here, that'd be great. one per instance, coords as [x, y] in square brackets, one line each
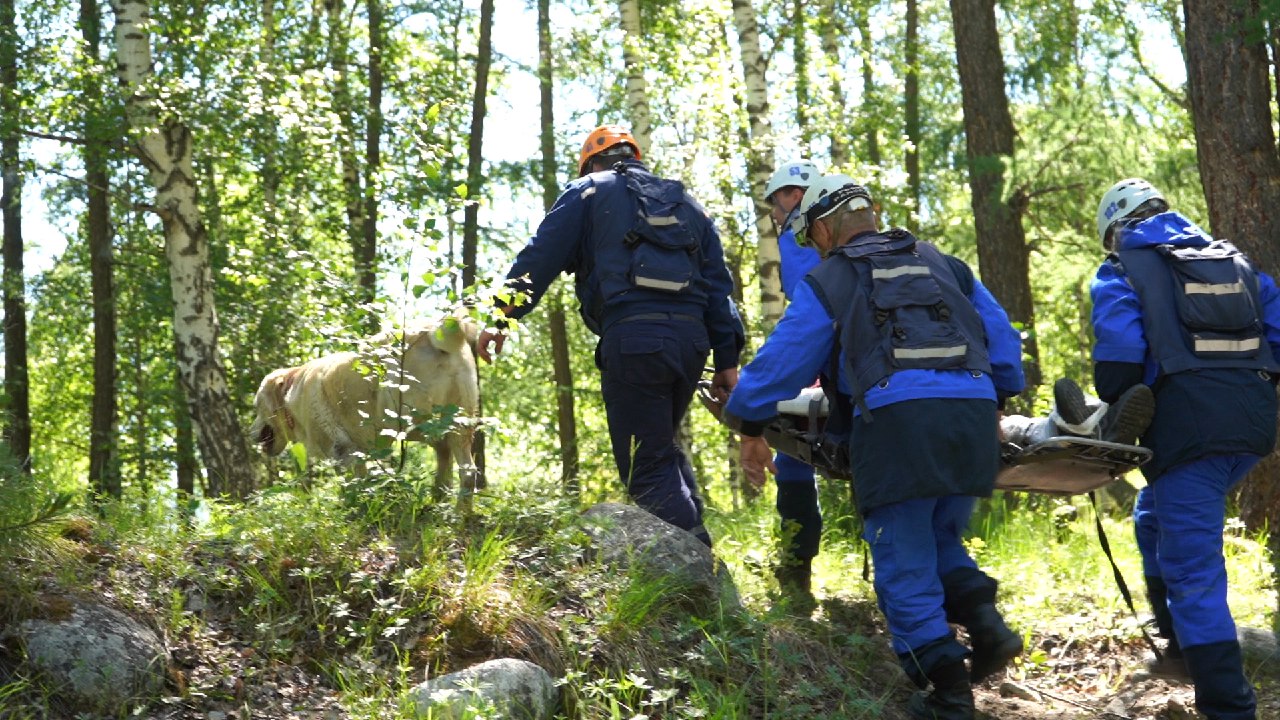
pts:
[660, 284]
[1227, 346]
[588, 192]
[889, 273]
[661, 220]
[1214, 288]
[926, 353]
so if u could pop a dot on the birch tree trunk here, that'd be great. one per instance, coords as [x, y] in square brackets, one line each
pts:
[17, 420]
[760, 160]
[104, 475]
[1227, 74]
[566, 420]
[633, 59]
[1003, 256]
[164, 147]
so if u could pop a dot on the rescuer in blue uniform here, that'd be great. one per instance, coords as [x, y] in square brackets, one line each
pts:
[922, 356]
[1194, 320]
[650, 275]
[797, 500]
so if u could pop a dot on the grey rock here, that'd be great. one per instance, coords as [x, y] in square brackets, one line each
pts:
[1261, 654]
[97, 657]
[1012, 689]
[504, 688]
[626, 536]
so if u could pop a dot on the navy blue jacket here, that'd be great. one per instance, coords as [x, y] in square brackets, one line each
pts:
[598, 208]
[1199, 412]
[801, 346]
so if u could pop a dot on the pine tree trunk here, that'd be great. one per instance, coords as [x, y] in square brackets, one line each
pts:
[17, 409]
[1227, 74]
[566, 421]
[344, 106]
[911, 103]
[633, 59]
[832, 37]
[164, 145]
[866, 46]
[760, 160]
[475, 180]
[104, 475]
[799, 31]
[367, 251]
[1003, 256]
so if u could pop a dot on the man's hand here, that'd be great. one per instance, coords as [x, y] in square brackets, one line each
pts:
[490, 335]
[756, 457]
[723, 383]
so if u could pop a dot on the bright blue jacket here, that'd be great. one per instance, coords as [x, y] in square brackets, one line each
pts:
[573, 227]
[797, 260]
[800, 347]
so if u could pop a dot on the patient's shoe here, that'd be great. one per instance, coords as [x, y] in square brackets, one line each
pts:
[1070, 402]
[1129, 416]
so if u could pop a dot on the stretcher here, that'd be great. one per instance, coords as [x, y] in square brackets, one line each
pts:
[1062, 465]
[1066, 465]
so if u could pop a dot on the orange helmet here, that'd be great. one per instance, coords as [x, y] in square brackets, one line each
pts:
[603, 138]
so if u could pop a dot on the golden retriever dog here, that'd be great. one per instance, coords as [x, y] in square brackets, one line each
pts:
[339, 405]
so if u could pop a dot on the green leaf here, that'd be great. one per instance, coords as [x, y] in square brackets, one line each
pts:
[299, 453]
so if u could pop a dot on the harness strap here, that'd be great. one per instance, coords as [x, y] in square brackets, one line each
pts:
[1115, 569]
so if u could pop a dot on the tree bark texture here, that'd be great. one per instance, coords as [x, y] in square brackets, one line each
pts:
[566, 420]
[911, 103]
[1003, 256]
[475, 144]
[833, 36]
[17, 407]
[633, 42]
[1228, 77]
[164, 145]
[866, 48]
[760, 160]
[344, 106]
[104, 474]
[367, 250]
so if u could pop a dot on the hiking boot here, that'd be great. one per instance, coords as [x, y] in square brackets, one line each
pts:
[795, 579]
[1171, 665]
[1070, 402]
[950, 699]
[1129, 416]
[994, 644]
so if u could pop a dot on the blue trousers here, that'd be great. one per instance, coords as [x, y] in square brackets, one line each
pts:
[648, 371]
[1178, 520]
[914, 545]
[798, 508]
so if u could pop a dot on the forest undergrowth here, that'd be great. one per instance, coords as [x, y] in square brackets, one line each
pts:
[335, 600]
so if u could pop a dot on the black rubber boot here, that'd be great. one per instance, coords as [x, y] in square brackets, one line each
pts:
[994, 644]
[1069, 401]
[795, 580]
[950, 699]
[1222, 692]
[1128, 417]
[1170, 665]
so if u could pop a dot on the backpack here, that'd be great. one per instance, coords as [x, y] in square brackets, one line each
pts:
[1215, 291]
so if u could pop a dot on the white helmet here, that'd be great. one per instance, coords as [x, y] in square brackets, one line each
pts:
[1122, 200]
[800, 173]
[823, 197]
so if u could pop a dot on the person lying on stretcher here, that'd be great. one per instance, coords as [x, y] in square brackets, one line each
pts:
[1080, 415]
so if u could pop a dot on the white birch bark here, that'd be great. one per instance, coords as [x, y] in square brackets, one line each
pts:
[638, 113]
[760, 159]
[163, 144]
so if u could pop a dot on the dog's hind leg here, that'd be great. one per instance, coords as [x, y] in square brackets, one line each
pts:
[469, 480]
[444, 469]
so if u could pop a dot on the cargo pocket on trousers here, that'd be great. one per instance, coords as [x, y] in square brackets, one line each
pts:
[644, 361]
